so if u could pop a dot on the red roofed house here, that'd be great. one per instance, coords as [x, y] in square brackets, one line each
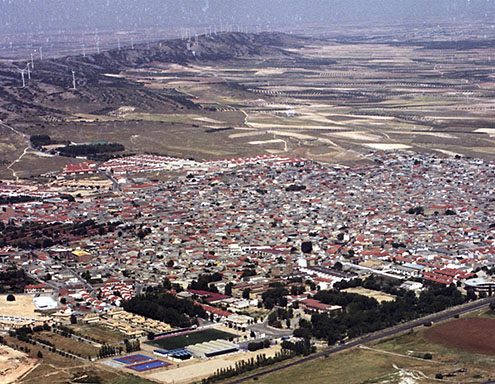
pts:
[315, 305]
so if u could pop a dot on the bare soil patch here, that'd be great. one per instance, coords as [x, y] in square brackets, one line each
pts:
[472, 334]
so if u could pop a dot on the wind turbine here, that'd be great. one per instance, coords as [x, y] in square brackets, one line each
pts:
[28, 70]
[23, 79]
[73, 80]
[41, 53]
[32, 61]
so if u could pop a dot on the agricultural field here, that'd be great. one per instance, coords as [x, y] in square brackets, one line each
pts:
[68, 344]
[181, 341]
[475, 335]
[334, 98]
[415, 358]
[99, 333]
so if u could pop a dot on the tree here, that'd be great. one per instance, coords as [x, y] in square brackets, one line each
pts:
[165, 307]
[338, 266]
[306, 247]
[416, 211]
[246, 293]
[40, 355]
[470, 295]
[275, 296]
[167, 284]
[228, 289]
[86, 275]
[170, 264]
[10, 297]
[248, 272]
[73, 319]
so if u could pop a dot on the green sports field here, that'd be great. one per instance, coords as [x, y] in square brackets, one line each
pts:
[182, 341]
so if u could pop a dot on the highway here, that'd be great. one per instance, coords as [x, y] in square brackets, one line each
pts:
[376, 336]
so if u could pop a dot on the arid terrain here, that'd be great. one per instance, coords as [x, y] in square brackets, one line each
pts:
[417, 357]
[332, 98]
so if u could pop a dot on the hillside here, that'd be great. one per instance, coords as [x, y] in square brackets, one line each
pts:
[49, 92]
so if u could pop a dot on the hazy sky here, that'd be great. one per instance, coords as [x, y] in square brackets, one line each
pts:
[36, 15]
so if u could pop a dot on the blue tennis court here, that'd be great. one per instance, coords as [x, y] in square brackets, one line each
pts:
[148, 365]
[133, 359]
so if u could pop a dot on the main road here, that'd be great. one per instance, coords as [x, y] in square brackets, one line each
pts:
[379, 335]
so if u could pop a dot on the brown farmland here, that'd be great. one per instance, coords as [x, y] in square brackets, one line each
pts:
[475, 335]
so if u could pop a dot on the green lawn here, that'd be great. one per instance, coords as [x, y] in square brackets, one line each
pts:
[174, 342]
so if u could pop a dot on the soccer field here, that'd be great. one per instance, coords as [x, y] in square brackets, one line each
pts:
[174, 342]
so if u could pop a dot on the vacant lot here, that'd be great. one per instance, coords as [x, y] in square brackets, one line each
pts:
[380, 296]
[475, 335]
[14, 364]
[68, 344]
[192, 338]
[22, 306]
[99, 333]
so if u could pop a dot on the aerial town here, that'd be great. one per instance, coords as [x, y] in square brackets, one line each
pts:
[247, 192]
[251, 243]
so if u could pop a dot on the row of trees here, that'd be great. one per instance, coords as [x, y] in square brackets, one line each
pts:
[363, 315]
[25, 334]
[90, 149]
[14, 200]
[249, 365]
[107, 350]
[302, 347]
[257, 345]
[165, 307]
[33, 235]
[374, 283]
[13, 280]
[38, 141]
[132, 345]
